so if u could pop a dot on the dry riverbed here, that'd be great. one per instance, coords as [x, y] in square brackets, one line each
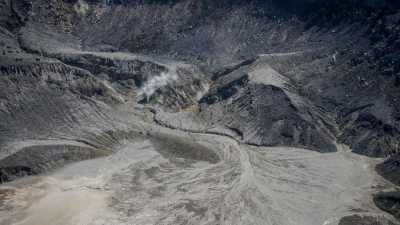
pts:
[156, 181]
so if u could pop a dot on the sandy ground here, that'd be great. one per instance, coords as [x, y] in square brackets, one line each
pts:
[143, 185]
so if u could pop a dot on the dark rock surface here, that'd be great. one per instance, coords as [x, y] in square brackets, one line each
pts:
[364, 220]
[390, 169]
[266, 109]
[389, 201]
[39, 159]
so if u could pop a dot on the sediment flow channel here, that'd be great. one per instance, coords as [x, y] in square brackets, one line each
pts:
[180, 178]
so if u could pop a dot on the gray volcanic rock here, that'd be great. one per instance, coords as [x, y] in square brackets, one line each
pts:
[168, 84]
[365, 220]
[390, 169]
[360, 103]
[43, 98]
[265, 108]
[58, 92]
[14, 13]
[42, 158]
[36, 89]
[183, 95]
[336, 57]
[138, 78]
[389, 201]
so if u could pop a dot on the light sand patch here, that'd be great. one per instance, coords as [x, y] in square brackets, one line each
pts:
[55, 201]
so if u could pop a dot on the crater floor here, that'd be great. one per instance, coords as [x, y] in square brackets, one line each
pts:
[144, 183]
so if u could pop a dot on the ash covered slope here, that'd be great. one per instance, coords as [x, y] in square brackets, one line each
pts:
[265, 108]
[344, 72]
[64, 78]
[55, 95]
[348, 66]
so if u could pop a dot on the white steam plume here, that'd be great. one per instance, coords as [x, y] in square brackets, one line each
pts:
[157, 82]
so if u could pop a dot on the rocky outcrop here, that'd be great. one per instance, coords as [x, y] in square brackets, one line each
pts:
[358, 101]
[365, 220]
[14, 14]
[59, 93]
[389, 201]
[390, 169]
[334, 64]
[320, 100]
[171, 85]
[266, 109]
[42, 158]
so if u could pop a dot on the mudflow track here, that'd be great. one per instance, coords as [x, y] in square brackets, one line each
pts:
[175, 177]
